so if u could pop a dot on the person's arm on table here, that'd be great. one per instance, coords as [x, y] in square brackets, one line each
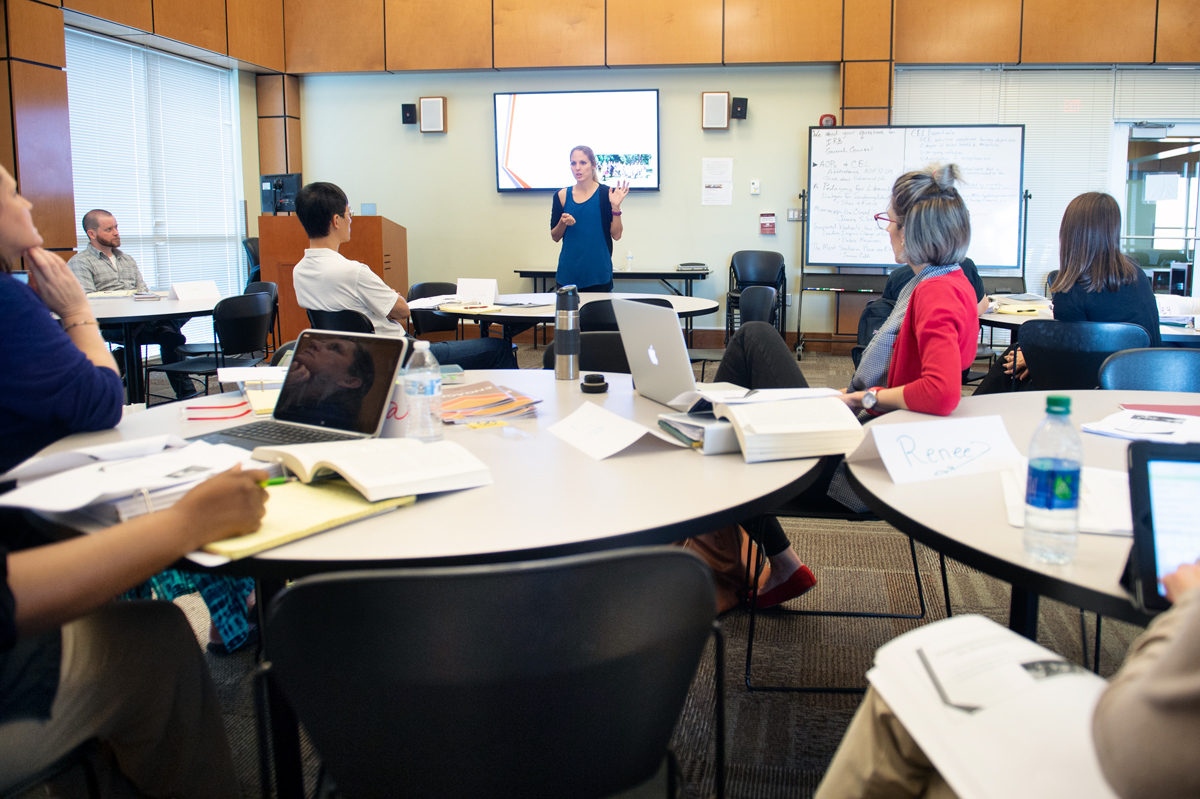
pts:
[59, 582]
[61, 291]
[1147, 722]
[399, 312]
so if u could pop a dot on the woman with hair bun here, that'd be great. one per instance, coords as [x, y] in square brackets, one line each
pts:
[915, 361]
[586, 218]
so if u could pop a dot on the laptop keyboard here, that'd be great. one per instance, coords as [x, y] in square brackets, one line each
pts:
[275, 433]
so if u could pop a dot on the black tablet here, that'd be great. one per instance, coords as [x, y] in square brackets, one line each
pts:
[1164, 493]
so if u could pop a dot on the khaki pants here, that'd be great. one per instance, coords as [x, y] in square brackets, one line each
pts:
[878, 758]
[133, 676]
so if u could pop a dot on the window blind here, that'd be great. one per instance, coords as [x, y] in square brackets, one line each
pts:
[1068, 118]
[1157, 95]
[153, 142]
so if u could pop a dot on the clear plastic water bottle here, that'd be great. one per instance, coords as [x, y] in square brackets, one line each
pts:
[629, 260]
[1052, 488]
[423, 392]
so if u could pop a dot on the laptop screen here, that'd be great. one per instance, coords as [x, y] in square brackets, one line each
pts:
[1174, 487]
[340, 381]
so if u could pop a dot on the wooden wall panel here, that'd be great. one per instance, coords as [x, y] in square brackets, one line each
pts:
[325, 36]
[36, 32]
[548, 33]
[865, 116]
[7, 158]
[196, 22]
[134, 13]
[1178, 31]
[664, 32]
[291, 96]
[1099, 31]
[434, 34]
[867, 30]
[270, 95]
[782, 31]
[255, 29]
[954, 32]
[42, 134]
[272, 147]
[866, 84]
[294, 160]
[3, 36]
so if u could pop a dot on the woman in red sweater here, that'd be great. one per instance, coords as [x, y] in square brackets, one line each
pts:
[914, 362]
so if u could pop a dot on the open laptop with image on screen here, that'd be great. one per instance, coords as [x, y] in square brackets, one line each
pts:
[337, 387]
[657, 354]
[1164, 483]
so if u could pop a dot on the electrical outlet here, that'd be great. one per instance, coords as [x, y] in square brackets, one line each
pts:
[787, 300]
[754, 187]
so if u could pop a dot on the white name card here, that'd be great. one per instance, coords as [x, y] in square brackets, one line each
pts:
[917, 451]
[599, 433]
[478, 290]
[194, 290]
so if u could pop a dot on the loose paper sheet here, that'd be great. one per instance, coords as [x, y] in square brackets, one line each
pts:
[917, 451]
[600, 433]
[1103, 500]
[716, 181]
[477, 290]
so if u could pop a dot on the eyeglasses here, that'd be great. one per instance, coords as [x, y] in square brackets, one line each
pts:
[883, 220]
[349, 214]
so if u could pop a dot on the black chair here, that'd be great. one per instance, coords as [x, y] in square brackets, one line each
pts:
[270, 289]
[282, 350]
[599, 351]
[1151, 369]
[598, 315]
[424, 322]
[469, 681]
[753, 268]
[1050, 278]
[757, 304]
[1067, 355]
[241, 325]
[251, 247]
[345, 321]
[1003, 285]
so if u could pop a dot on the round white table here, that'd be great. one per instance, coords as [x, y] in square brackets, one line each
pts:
[964, 517]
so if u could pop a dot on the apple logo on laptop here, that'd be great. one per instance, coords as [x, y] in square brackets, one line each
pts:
[653, 355]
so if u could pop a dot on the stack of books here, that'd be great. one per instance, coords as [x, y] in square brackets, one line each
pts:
[485, 401]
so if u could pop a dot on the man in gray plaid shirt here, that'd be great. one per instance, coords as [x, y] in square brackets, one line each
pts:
[103, 267]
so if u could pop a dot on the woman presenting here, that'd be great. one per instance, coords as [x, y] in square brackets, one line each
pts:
[586, 218]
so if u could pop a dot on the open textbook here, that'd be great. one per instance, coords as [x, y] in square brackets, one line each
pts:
[382, 468]
[794, 428]
[998, 715]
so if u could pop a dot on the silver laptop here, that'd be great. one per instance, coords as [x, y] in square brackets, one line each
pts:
[657, 353]
[337, 387]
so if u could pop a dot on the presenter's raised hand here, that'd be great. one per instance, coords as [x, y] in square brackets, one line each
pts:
[567, 219]
[616, 194]
[56, 284]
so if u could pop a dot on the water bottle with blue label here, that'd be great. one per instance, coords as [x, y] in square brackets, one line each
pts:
[423, 393]
[1052, 488]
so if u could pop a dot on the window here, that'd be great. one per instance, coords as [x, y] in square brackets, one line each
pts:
[153, 142]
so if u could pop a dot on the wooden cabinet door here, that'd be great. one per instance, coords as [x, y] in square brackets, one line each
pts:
[953, 32]
[548, 33]
[196, 22]
[782, 31]
[664, 32]
[1099, 31]
[256, 32]
[339, 36]
[434, 34]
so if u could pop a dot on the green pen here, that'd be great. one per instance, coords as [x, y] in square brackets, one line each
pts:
[276, 481]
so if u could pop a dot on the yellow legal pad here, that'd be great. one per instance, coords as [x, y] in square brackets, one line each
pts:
[297, 510]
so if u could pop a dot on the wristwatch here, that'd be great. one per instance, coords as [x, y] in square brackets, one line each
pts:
[871, 398]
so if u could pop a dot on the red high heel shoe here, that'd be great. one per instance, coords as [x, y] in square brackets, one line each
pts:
[801, 581]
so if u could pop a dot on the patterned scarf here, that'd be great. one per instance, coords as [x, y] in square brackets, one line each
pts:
[873, 368]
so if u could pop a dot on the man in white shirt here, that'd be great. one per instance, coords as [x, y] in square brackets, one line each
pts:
[326, 281]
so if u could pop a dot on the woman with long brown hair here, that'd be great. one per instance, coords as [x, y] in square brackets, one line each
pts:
[586, 218]
[1096, 283]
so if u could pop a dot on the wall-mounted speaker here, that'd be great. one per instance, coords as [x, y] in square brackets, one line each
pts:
[739, 108]
[408, 113]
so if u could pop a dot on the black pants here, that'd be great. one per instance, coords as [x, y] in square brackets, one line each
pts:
[166, 335]
[996, 381]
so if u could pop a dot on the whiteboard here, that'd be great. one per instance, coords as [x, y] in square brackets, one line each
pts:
[851, 172]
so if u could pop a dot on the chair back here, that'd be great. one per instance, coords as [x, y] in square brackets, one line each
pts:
[250, 245]
[243, 323]
[345, 321]
[1067, 355]
[427, 321]
[1152, 369]
[598, 315]
[757, 304]
[545, 678]
[270, 289]
[1051, 276]
[1003, 285]
[599, 351]
[757, 268]
[282, 350]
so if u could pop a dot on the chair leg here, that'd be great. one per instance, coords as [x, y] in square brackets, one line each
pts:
[945, 584]
[719, 700]
[1096, 651]
[758, 559]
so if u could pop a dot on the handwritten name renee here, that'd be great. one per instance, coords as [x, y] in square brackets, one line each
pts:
[947, 458]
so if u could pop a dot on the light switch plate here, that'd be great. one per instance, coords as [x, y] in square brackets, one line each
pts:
[754, 187]
[793, 215]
